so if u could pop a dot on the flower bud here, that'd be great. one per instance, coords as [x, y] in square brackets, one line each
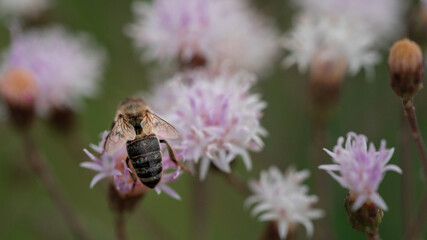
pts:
[405, 65]
[19, 90]
[366, 219]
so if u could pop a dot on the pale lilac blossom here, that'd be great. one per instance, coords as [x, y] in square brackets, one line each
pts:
[361, 169]
[283, 198]
[113, 167]
[218, 31]
[328, 39]
[66, 67]
[342, 30]
[217, 116]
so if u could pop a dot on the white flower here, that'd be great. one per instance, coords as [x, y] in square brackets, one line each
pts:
[216, 115]
[326, 38]
[218, 31]
[361, 168]
[382, 17]
[23, 8]
[282, 198]
[66, 67]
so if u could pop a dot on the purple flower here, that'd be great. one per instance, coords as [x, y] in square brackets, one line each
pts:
[66, 67]
[361, 168]
[219, 31]
[113, 167]
[283, 198]
[216, 115]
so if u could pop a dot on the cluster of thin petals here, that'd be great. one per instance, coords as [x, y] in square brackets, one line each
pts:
[360, 168]
[218, 31]
[283, 198]
[217, 116]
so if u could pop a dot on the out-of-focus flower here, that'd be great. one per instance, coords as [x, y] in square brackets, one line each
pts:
[350, 31]
[23, 8]
[216, 115]
[361, 168]
[113, 167]
[324, 39]
[66, 67]
[284, 199]
[382, 16]
[217, 31]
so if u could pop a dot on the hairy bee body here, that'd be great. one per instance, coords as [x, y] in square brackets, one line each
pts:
[144, 154]
[138, 127]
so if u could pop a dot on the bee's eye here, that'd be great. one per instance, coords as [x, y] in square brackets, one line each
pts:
[120, 115]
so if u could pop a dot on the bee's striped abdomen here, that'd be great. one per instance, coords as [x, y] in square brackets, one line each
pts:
[146, 159]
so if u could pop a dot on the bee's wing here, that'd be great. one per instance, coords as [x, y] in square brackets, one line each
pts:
[161, 127]
[120, 133]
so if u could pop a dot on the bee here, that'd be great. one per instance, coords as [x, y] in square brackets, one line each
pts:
[138, 127]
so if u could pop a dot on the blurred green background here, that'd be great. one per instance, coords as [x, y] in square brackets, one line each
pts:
[367, 106]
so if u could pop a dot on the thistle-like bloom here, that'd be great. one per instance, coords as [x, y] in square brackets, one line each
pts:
[315, 38]
[113, 166]
[217, 31]
[23, 8]
[284, 199]
[216, 115]
[66, 67]
[342, 30]
[361, 169]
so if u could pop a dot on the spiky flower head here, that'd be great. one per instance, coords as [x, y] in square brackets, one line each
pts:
[214, 32]
[361, 169]
[405, 65]
[113, 167]
[66, 66]
[284, 199]
[216, 115]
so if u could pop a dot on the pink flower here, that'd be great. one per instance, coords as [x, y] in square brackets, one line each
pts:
[361, 168]
[216, 115]
[113, 167]
[66, 67]
[283, 198]
[219, 31]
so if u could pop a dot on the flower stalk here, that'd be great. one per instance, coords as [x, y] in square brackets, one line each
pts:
[49, 183]
[408, 106]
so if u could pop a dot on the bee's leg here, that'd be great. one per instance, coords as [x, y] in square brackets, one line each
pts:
[131, 173]
[173, 155]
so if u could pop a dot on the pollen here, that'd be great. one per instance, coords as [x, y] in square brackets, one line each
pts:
[18, 87]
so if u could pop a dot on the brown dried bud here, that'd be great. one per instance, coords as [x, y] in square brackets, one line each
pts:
[366, 219]
[19, 90]
[405, 65]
